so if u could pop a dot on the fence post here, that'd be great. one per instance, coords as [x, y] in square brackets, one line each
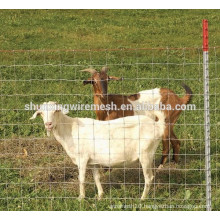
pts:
[207, 115]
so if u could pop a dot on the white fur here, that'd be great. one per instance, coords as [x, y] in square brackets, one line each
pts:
[152, 97]
[111, 143]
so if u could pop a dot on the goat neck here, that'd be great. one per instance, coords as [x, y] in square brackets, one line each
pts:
[63, 128]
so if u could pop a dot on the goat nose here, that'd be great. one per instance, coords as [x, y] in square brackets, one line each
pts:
[48, 123]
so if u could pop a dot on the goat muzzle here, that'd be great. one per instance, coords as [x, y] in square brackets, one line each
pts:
[49, 126]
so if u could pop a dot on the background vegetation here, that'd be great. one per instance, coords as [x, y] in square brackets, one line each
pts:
[41, 55]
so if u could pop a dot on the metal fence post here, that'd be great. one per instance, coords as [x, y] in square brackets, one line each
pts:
[207, 115]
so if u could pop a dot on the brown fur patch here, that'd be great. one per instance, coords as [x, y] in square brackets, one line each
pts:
[134, 97]
[169, 97]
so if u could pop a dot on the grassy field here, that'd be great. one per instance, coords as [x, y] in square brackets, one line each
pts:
[41, 55]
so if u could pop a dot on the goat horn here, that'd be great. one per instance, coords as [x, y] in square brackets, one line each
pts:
[104, 69]
[92, 71]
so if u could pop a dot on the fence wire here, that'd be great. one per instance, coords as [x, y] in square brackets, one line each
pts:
[36, 173]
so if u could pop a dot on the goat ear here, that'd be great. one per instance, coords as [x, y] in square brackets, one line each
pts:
[104, 69]
[88, 81]
[115, 78]
[62, 109]
[89, 70]
[35, 115]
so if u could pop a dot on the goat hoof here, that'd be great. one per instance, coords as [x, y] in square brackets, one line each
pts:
[160, 167]
[99, 197]
[80, 198]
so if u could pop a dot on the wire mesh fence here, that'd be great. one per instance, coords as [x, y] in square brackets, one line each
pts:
[36, 173]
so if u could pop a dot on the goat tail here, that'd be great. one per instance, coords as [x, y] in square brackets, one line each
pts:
[187, 97]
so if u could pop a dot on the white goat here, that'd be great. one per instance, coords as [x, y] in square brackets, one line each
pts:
[111, 143]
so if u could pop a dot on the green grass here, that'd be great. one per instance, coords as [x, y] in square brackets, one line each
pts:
[74, 29]
[46, 179]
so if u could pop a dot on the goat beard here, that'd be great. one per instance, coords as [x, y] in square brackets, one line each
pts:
[48, 133]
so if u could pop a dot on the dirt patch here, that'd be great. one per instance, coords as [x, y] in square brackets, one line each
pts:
[43, 161]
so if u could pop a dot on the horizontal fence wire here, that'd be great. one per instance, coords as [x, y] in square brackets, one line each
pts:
[109, 49]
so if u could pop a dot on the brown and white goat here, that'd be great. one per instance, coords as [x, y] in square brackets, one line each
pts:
[99, 80]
